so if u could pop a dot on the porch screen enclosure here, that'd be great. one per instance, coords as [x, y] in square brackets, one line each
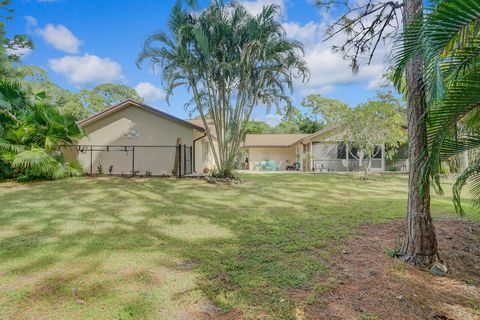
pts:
[132, 160]
[333, 156]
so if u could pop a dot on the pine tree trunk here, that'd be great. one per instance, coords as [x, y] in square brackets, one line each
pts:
[419, 243]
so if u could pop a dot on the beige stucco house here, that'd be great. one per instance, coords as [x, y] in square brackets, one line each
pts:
[132, 137]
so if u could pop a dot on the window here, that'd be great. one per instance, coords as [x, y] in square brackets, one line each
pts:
[342, 152]
[205, 150]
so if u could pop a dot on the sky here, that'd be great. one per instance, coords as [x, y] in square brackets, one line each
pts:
[82, 43]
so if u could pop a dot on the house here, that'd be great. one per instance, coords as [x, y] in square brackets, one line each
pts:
[132, 137]
[323, 150]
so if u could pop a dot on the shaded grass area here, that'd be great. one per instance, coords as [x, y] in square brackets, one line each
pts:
[163, 248]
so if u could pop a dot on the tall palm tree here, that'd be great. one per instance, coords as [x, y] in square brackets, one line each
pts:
[448, 38]
[230, 61]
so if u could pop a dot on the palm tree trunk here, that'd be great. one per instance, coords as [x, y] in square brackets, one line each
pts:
[419, 243]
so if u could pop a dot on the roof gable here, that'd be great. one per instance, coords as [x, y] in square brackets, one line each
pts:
[129, 103]
[320, 132]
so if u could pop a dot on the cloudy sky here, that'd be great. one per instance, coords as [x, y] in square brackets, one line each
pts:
[82, 43]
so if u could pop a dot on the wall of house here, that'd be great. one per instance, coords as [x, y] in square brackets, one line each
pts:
[203, 154]
[134, 126]
[287, 155]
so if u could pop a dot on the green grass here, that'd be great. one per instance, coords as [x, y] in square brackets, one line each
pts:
[111, 248]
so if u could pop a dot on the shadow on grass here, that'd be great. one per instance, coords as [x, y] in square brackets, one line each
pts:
[250, 243]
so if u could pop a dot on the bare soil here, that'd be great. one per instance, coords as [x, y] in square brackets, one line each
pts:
[372, 285]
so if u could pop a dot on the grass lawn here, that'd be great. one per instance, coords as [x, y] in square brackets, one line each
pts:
[112, 248]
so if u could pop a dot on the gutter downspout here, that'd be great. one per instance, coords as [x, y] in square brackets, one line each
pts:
[195, 140]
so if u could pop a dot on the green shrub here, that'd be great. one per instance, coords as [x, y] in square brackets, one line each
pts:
[226, 174]
[31, 135]
[393, 253]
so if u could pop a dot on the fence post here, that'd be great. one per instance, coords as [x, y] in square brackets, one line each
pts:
[179, 160]
[185, 159]
[91, 160]
[133, 161]
[191, 160]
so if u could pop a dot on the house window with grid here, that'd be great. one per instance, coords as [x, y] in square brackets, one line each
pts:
[205, 150]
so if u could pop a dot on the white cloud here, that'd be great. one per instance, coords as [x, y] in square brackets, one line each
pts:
[256, 6]
[328, 68]
[309, 33]
[31, 21]
[60, 38]
[378, 83]
[149, 92]
[87, 69]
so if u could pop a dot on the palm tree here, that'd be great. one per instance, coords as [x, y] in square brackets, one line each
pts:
[230, 61]
[449, 40]
[30, 135]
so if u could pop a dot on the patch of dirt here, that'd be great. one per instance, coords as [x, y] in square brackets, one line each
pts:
[372, 285]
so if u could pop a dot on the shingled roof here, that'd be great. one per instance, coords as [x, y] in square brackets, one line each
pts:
[272, 140]
[265, 140]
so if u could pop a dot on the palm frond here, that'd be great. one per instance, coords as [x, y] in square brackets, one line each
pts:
[447, 39]
[471, 175]
[35, 162]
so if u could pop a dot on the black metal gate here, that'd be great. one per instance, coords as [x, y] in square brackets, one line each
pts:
[186, 162]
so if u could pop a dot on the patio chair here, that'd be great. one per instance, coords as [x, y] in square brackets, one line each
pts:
[263, 165]
[297, 166]
[271, 165]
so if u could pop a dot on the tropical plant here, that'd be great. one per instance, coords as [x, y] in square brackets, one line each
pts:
[448, 38]
[231, 61]
[31, 135]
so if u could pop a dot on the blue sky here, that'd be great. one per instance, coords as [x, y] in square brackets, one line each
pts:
[82, 43]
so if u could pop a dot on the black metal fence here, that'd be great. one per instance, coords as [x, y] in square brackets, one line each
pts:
[129, 160]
